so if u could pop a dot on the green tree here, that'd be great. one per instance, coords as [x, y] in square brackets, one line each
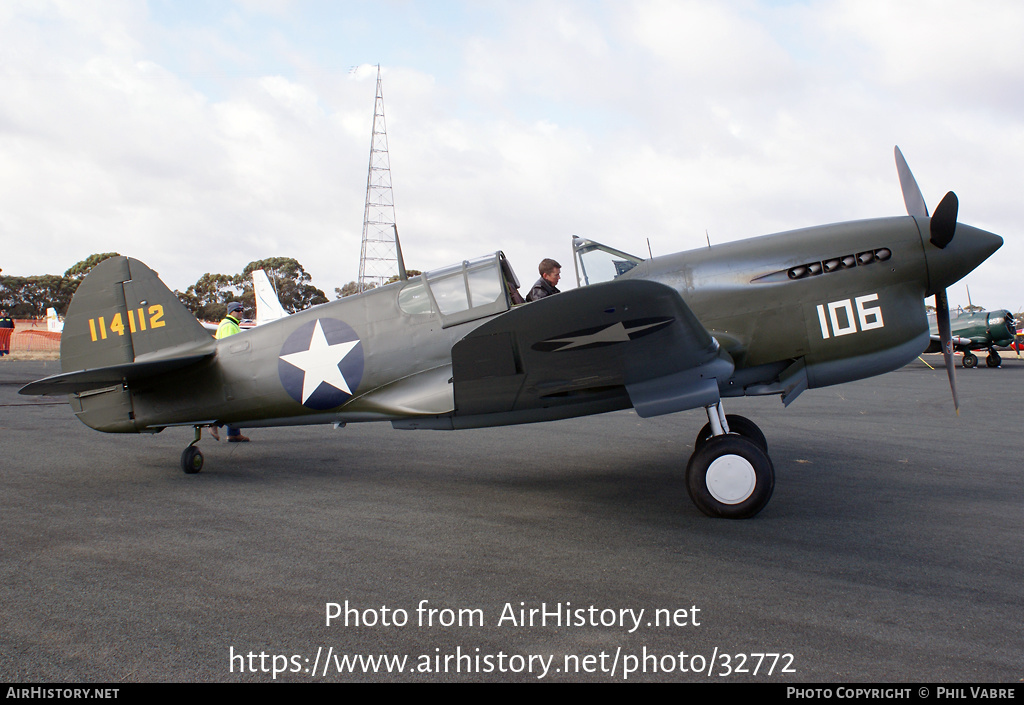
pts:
[29, 297]
[347, 290]
[409, 273]
[80, 270]
[291, 282]
[209, 296]
[74, 276]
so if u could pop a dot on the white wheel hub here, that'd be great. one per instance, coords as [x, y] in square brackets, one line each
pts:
[731, 479]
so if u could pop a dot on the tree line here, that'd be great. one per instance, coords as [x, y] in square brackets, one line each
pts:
[207, 299]
[209, 296]
[29, 297]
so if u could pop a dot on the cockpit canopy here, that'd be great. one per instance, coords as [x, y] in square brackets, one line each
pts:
[462, 292]
[597, 263]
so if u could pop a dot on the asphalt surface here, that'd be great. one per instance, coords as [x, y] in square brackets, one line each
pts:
[891, 550]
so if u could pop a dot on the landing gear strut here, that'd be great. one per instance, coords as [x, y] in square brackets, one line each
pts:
[730, 474]
[739, 425]
[192, 457]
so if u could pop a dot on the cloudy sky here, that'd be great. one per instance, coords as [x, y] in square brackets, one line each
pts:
[199, 136]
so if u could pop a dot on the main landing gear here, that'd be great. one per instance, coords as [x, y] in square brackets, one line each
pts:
[730, 474]
[992, 360]
[192, 457]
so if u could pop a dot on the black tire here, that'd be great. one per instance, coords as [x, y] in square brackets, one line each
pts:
[191, 460]
[739, 425]
[993, 359]
[737, 487]
[970, 360]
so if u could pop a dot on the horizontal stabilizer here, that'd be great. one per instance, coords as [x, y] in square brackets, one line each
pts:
[98, 378]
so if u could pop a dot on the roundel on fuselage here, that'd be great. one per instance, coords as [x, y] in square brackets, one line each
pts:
[321, 363]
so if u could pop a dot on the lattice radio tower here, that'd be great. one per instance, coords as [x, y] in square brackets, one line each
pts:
[378, 260]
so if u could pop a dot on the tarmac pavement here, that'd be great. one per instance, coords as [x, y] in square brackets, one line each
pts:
[890, 551]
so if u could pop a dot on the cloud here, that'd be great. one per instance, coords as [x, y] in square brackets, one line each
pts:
[199, 144]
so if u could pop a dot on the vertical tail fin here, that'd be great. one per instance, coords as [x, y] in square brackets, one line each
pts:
[123, 312]
[268, 306]
[53, 322]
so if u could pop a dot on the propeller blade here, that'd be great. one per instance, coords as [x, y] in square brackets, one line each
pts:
[911, 191]
[942, 318]
[943, 224]
[1017, 337]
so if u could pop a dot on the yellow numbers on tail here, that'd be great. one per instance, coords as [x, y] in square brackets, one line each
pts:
[100, 327]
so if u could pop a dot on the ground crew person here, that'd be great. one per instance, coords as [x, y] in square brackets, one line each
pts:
[228, 327]
[5, 336]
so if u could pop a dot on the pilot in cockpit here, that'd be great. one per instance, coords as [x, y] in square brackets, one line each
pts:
[550, 273]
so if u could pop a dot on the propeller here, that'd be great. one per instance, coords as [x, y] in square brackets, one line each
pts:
[942, 228]
[911, 191]
[1018, 321]
[943, 224]
[942, 317]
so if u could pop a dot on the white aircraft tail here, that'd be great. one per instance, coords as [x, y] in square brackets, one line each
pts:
[268, 306]
[53, 323]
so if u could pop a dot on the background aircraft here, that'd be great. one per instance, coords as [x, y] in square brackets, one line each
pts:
[984, 330]
[268, 305]
[772, 315]
[54, 323]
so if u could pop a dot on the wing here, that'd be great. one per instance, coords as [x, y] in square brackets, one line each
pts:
[612, 345]
[959, 343]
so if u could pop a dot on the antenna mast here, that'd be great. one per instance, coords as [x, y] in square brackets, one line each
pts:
[378, 260]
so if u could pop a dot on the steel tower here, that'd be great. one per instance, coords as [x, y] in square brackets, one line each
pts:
[378, 260]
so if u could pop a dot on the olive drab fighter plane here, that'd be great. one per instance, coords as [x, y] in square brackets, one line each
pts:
[984, 330]
[772, 315]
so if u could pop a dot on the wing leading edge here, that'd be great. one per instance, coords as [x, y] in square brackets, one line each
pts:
[602, 347]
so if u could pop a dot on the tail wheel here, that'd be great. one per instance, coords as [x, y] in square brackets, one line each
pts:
[730, 477]
[739, 425]
[191, 460]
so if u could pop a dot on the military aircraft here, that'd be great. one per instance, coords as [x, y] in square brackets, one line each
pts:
[772, 315]
[983, 330]
[54, 323]
[268, 306]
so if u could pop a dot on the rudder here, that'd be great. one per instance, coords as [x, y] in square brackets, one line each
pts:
[122, 313]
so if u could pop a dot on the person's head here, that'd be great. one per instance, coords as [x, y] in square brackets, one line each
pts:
[550, 271]
[235, 309]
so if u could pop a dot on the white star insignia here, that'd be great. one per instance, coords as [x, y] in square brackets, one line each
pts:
[320, 363]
